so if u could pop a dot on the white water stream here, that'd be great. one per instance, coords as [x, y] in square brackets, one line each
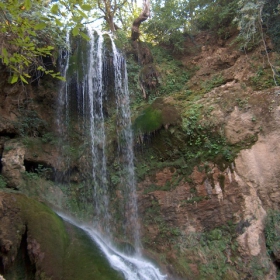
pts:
[85, 88]
[132, 267]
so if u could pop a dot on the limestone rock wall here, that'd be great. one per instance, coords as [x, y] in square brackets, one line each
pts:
[214, 196]
[13, 163]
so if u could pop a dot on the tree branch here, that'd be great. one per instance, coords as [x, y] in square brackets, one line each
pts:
[135, 30]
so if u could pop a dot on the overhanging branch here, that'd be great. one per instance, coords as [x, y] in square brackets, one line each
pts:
[135, 30]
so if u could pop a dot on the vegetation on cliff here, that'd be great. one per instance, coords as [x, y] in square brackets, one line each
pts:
[201, 84]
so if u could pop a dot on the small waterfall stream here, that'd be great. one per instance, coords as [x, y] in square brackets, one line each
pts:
[96, 81]
[132, 267]
[125, 147]
[95, 92]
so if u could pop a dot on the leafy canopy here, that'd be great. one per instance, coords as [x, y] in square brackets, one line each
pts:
[31, 30]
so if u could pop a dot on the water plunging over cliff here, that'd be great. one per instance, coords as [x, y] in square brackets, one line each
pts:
[95, 102]
[125, 147]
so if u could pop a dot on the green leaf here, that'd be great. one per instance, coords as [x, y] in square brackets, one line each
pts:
[77, 19]
[75, 31]
[13, 79]
[85, 36]
[27, 4]
[40, 26]
[58, 22]
[31, 32]
[86, 7]
[61, 78]
[23, 79]
[4, 51]
[82, 13]
[54, 9]
[5, 56]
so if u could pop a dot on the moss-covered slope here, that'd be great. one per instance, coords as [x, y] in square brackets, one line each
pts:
[37, 244]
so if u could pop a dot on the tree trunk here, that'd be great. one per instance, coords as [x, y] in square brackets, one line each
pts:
[135, 31]
[148, 76]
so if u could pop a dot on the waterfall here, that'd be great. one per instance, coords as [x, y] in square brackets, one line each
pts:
[125, 147]
[62, 119]
[95, 92]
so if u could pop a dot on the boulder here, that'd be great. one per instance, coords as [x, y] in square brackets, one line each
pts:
[13, 163]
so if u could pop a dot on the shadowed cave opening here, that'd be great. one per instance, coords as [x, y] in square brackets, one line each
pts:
[6, 134]
[39, 168]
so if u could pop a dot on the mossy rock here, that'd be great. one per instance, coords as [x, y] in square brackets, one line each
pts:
[79, 49]
[40, 245]
[157, 115]
[148, 121]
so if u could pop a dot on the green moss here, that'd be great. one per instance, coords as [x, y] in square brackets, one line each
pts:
[216, 81]
[3, 182]
[148, 121]
[84, 260]
[79, 50]
[65, 252]
[272, 232]
[263, 79]
[46, 229]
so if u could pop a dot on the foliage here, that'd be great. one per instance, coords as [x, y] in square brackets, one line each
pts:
[174, 21]
[216, 81]
[30, 32]
[78, 198]
[217, 250]
[79, 50]
[172, 79]
[216, 16]
[271, 19]
[133, 69]
[272, 232]
[3, 182]
[107, 10]
[263, 79]
[30, 124]
[195, 141]
[42, 171]
[249, 22]
[167, 23]
[174, 76]
[205, 141]
[49, 137]
[256, 17]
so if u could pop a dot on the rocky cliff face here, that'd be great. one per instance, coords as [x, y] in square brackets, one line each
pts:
[229, 198]
[240, 194]
[208, 169]
[212, 222]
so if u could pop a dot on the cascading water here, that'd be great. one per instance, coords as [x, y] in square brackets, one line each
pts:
[63, 104]
[126, 143]
[132, 267]
[93, 79]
